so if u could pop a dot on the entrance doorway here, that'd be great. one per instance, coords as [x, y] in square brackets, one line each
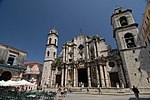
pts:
[58, 80]
[114, 79]
[82, 77]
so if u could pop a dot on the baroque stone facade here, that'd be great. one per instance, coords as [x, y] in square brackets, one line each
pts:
[90, 62]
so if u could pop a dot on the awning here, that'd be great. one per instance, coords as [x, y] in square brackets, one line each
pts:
[11, 66]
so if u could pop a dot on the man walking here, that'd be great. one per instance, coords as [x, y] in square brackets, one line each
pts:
[88, 90]
[99, 89]
[136, 92]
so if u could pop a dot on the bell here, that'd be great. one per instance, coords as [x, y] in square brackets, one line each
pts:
[129, 41]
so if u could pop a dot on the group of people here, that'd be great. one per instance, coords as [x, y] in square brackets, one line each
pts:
[63, 91]
[134, 89]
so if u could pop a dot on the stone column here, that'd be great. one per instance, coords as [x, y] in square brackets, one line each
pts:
[74, 77]
[102, 76]
[66, 76]
[63, 50]
[62, 77]
[106, 77]
[97, 75]
[89, 77]
[87, 51]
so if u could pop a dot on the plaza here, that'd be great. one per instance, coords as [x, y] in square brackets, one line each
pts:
[84, 96]
[86, 65]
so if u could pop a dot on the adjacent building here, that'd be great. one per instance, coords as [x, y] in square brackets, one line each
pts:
[33, 74]
[11, 62]
[144, 33]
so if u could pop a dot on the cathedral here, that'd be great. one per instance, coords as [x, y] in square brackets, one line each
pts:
[89, 61]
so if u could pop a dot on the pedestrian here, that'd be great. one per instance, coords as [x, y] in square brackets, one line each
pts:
[87, 90]
[65, 91]
[99, 90]
[62, 92]
[136, 92]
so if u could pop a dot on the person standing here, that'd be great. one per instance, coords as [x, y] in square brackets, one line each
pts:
[87, 89]
[99, 89]
[136, 92]
[62, 89]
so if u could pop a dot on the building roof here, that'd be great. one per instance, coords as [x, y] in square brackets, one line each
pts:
[11, 66]
[7, 46]
[53, 31]
[33, 63]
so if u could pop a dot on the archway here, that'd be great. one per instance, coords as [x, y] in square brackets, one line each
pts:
[114, 79]
[6, 76]
[58, 77]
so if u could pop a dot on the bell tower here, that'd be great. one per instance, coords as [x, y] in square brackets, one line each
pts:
[50, 55]
[125, 32]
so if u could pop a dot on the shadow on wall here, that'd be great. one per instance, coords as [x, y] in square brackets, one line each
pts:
[144, 65]
[140, 99]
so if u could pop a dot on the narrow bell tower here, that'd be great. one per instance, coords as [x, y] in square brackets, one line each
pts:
[125, 32]
[50, 55]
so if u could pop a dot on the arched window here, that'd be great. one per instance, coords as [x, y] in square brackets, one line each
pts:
[48, 53]
[129, 40]
[50, 40]
[54, 54]
[55, 42]
[123, 21]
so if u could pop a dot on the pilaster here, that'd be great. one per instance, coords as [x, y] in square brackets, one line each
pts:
[102, 76]
[89, 77]
[66, 75]
[74, 77]
[62, 77]
[106, 77]
[97, 76]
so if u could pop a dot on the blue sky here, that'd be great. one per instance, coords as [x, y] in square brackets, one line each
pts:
[24, 24]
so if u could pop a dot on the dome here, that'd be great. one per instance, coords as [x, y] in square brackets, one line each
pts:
[54, 31]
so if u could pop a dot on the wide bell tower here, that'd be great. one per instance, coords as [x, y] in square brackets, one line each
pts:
[50, 55]
[125, 32]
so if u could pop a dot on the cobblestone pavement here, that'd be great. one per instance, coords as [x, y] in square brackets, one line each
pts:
[77, 96]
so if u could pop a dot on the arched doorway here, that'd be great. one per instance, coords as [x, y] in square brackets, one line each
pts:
[6, 76]
[58, 77]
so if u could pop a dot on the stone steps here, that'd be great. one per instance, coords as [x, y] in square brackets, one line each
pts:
[104, 90]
